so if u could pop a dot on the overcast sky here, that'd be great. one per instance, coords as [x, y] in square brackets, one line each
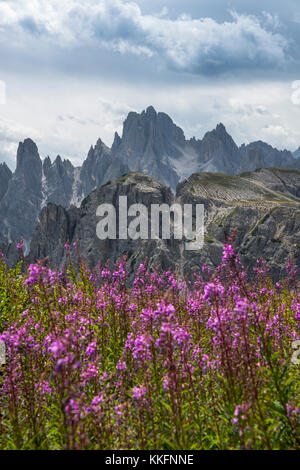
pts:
[73, 69]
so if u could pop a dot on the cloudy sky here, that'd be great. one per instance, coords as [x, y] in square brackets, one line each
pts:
[71, 70]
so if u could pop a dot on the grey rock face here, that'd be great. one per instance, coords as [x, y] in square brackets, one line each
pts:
[58, 226]
[10, 252]
[58, 181]
[282, 180]
[261, 155]
[29, 165]
[5, 176]
[20, 206]
[268, 222]
[218, 152]
[149, 139]
[100, 167]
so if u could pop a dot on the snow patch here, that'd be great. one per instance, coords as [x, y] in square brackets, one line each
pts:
[187, 164]
[76, 193]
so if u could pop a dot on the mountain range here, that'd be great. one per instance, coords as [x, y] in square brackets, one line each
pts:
[263, 205]
[151, 143]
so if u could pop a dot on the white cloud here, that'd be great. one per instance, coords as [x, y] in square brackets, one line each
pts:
[112, 113]
[2, 92]
[247, 110]
[275, 131]
[10, 134]
[295, 98]
[185, 44]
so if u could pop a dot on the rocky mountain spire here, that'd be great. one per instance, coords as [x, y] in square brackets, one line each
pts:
[29, 164]
[100, 166]
[5, 176]
[116, 143]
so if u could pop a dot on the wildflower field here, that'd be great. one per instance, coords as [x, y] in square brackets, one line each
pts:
[95, 363]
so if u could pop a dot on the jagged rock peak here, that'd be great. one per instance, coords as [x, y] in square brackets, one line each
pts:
[150, 112]
[47, 164]
[58, 160]
[5, 176]
[28, 146]
[221, 128]
[99, 142]
[116, 143]
[221, 131]
[4, 169]
[100, 145]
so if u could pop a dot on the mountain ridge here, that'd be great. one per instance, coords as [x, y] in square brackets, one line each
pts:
[150, 143]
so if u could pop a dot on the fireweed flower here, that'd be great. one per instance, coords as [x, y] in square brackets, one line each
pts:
[228, 253]
[20, 245]
[104, 353]
[261, 268]
[96, 401]
[296, 308]
[43, 387]
[35, 272]
[121, 365]
[90, 373]
[140, 347]
[292, 410]
[213, 292]
[183, 338]
[58, 347]
[72, 409]
[91, 349]
[139, 393]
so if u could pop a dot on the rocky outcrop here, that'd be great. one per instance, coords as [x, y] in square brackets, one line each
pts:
[268, 222]
[56, 226]
[282, 180]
